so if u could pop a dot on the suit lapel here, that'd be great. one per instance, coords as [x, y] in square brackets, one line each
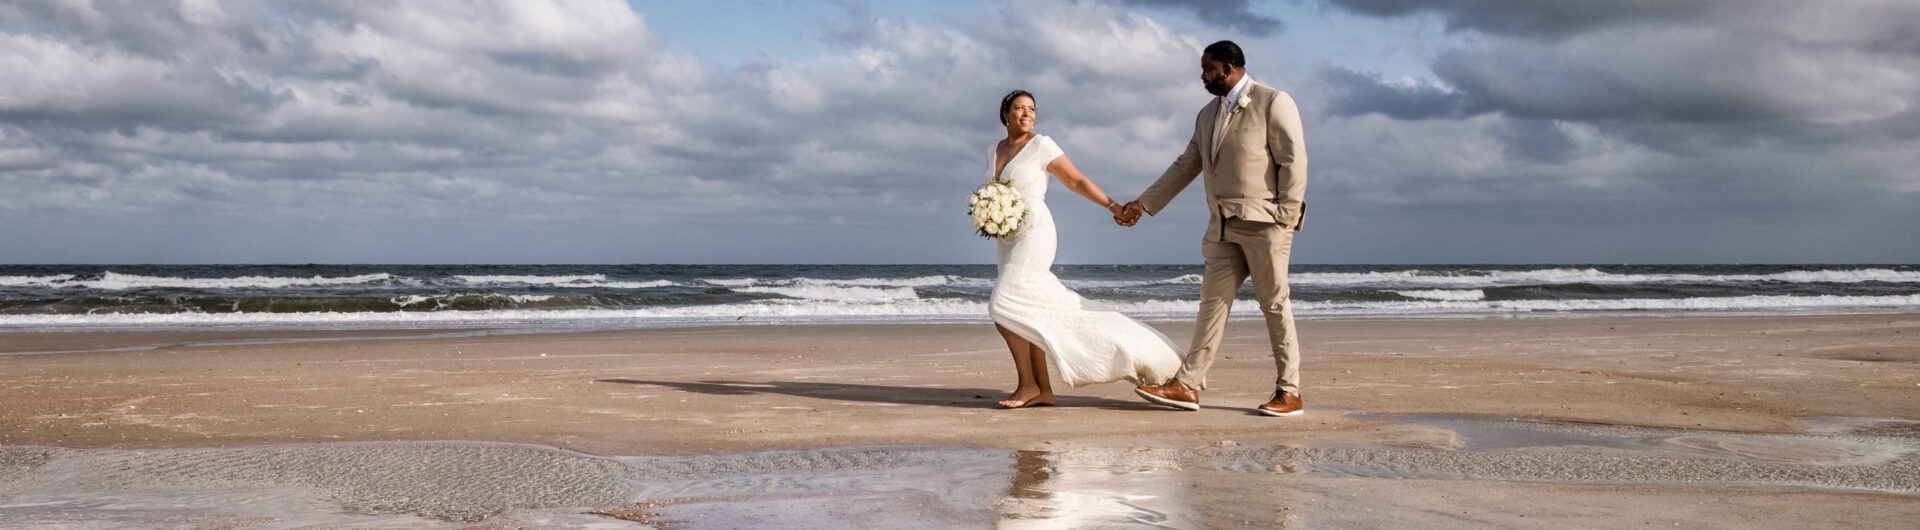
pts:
[1232, 114]
[1212, 110]
[1226, 124]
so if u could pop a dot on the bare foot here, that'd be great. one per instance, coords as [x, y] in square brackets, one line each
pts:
[1027, 398]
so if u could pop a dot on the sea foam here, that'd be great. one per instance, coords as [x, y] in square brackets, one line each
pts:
[1445, 294]
[1560, 276]
[802, 310]
[112, 281]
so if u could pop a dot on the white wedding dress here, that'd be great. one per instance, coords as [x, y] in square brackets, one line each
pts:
[1085, 341]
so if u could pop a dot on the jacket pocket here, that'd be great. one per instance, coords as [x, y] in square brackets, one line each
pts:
[1261, 210]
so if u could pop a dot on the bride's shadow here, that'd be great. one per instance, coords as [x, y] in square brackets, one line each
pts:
[966, 398]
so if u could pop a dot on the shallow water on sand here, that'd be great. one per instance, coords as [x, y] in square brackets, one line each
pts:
[456, 484]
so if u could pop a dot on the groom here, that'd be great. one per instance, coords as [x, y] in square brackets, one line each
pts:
[1247, 142]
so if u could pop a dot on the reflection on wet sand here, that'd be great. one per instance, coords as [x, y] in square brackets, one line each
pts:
[1854, 456]
[452, 484]
[1049, 494]
[1159, 488]
[1264, 486]
[1030, 476]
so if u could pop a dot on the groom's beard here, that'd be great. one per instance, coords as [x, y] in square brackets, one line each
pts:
[1219, 87]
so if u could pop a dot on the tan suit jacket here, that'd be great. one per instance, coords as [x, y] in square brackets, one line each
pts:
[1259, 172]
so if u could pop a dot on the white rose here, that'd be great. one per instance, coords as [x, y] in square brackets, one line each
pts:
[1244, 101]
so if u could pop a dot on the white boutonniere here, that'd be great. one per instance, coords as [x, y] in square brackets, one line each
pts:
[1243, 102]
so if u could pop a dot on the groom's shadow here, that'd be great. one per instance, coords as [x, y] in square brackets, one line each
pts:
[966, 398]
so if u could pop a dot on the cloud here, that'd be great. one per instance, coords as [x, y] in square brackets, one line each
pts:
[334, 99]
[1683, 62]
[1687, 78]
[1537, 18]
[1232, 15]
[1354, 93]
[522, 131]
[555, 121]
[1709, 120]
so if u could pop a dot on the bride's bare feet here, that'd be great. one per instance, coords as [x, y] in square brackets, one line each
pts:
[1027, 398]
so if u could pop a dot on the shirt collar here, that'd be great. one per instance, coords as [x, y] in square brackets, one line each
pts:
[1234, 95]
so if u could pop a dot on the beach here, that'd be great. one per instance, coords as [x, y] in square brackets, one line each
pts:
[1768, 420]
[492, 264]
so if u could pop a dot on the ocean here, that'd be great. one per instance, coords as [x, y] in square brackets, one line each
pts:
[585, 297]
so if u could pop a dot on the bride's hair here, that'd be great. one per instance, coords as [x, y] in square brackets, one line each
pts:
[1006, 103]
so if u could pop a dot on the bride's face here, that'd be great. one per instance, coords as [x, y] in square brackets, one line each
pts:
[1020, 116]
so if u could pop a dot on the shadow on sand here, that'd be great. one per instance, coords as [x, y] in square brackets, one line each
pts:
[968, 398]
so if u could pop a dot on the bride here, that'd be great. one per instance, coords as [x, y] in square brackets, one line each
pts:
[1049, 328]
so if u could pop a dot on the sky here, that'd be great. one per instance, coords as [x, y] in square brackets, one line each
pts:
[774, 131]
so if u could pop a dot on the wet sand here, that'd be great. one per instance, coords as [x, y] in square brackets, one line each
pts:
[1592, 422]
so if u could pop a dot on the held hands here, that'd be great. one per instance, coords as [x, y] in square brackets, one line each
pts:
[1129, 214]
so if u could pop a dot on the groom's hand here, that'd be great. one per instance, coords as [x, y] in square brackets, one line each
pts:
[1125, 216]
[1130, 214]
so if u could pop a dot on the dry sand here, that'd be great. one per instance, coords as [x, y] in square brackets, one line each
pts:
[1694, 422]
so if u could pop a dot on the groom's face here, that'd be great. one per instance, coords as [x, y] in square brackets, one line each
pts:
[1214, 75]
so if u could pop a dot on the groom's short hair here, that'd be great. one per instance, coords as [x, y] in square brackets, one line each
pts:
[1226, 52]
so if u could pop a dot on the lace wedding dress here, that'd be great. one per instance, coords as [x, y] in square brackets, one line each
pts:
[1085, 342]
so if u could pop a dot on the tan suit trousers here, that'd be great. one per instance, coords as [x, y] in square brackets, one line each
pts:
[1246, 248]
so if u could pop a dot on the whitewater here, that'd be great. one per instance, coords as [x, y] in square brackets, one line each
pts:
[52, 297]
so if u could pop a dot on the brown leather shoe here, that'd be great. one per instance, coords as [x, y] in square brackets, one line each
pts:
[1283, 404]
[1173, 394]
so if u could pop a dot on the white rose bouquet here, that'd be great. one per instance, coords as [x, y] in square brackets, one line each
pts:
[996, 209]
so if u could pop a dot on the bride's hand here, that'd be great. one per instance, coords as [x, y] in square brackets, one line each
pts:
[1120, 215]
[1129, 214]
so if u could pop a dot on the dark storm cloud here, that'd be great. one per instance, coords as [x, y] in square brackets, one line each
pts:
[1540, 18]
[1353, 93]
[1657, 61]
[1701, 85]
[1537, 141]
[1229, 14]
[1695, 123]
